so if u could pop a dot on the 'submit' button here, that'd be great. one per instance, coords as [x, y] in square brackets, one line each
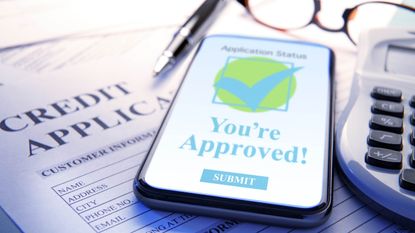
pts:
[234, 179]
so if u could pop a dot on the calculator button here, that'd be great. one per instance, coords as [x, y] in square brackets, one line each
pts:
[385, 93]
[407, 179]
[384, 139]
[412, 101]
[388, 108]
[412, 159]
[386, 123]
[384, 158]
[412, 137]
[412, 118]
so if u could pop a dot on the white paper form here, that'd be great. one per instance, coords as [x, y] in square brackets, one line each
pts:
[127, 87]
[108, 122]
[49, 35]
[93, 192]
[31, 22]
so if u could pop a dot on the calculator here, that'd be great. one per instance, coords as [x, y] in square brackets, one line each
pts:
[375, 137]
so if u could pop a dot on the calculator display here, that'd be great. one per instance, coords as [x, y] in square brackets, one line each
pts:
[400, 60]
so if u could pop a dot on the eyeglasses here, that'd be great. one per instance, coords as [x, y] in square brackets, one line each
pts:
[287, 15]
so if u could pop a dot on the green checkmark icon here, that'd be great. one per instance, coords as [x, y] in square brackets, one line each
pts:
[255, 84]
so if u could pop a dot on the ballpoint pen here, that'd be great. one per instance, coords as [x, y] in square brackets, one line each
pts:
[188, 35]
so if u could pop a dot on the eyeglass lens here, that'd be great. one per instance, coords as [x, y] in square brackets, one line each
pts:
[286, 15]
[377, 15]
[282, 13]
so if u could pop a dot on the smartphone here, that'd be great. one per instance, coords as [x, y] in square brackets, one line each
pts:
[248, 136]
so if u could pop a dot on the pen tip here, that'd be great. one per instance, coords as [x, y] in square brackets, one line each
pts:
[162, 64]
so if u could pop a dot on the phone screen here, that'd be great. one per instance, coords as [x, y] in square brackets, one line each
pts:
[250, 122]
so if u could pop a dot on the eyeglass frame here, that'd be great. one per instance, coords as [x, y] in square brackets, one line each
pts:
[314, 19]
